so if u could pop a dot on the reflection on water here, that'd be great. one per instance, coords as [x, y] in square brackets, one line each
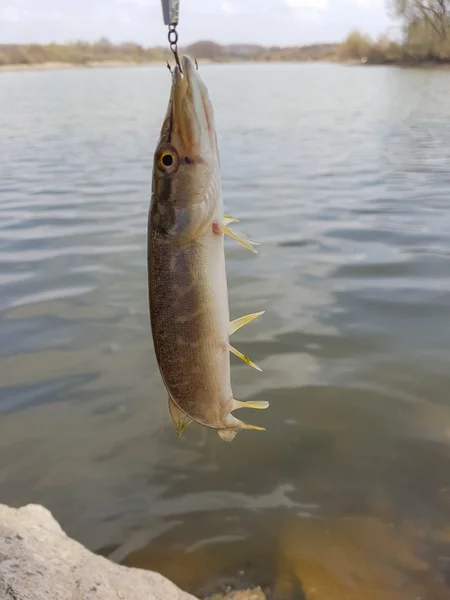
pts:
[342, 176]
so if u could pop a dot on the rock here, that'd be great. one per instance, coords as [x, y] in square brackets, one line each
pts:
[255, 594]
[38, 561]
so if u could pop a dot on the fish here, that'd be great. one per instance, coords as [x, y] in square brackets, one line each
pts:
[187, 281]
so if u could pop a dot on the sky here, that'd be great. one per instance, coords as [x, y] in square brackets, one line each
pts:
[267, 22]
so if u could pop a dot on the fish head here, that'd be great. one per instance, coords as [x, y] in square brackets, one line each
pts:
[186, 186]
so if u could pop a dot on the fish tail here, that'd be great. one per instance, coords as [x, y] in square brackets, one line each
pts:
[227, 435]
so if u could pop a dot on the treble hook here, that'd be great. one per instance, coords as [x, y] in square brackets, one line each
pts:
[171, 12]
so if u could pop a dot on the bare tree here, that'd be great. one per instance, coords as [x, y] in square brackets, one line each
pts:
[435, 13]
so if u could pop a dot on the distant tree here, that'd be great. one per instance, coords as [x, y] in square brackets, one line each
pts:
[435, 13]
[104, 41]
[357, 46]
[206, 50]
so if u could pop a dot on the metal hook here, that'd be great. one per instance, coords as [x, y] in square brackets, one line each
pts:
[171, 15]
[173, 41]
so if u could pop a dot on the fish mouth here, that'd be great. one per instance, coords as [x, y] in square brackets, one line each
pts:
[192, 114]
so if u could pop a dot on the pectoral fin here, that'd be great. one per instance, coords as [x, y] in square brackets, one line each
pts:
[243, 357]
[238, 323]
[227, 219]
[239, 237]
[181, 421]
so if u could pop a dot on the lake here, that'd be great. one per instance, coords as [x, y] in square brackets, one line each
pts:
[342, 175]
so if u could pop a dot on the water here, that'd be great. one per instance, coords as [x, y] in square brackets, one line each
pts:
[342, 175]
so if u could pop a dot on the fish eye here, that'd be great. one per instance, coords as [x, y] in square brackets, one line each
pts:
[167, 160]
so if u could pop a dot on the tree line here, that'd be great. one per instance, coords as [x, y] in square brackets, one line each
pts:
[84, 53]
[425, 35]
[79, 53]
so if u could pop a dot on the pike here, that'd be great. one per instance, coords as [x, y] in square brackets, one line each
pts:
[188, 294]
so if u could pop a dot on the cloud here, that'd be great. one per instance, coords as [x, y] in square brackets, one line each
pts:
[11, 14]
[367, 3]
[138, 3]
[228, 7]
[269, 22]
[311, 11]
[232, 7]
[308, 4]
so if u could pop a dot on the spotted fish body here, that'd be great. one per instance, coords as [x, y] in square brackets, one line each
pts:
[188, 296]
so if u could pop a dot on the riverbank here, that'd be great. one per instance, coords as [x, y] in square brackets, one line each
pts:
[105, 64]
[99, 64]
[57, 66]
[26, 57]
[414, 64]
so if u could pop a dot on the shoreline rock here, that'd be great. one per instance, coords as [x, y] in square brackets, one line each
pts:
[38, 561]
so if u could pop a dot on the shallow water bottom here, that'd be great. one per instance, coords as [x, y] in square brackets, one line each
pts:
[351, 558]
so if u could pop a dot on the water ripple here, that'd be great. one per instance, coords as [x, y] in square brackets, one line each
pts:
[344, 182]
